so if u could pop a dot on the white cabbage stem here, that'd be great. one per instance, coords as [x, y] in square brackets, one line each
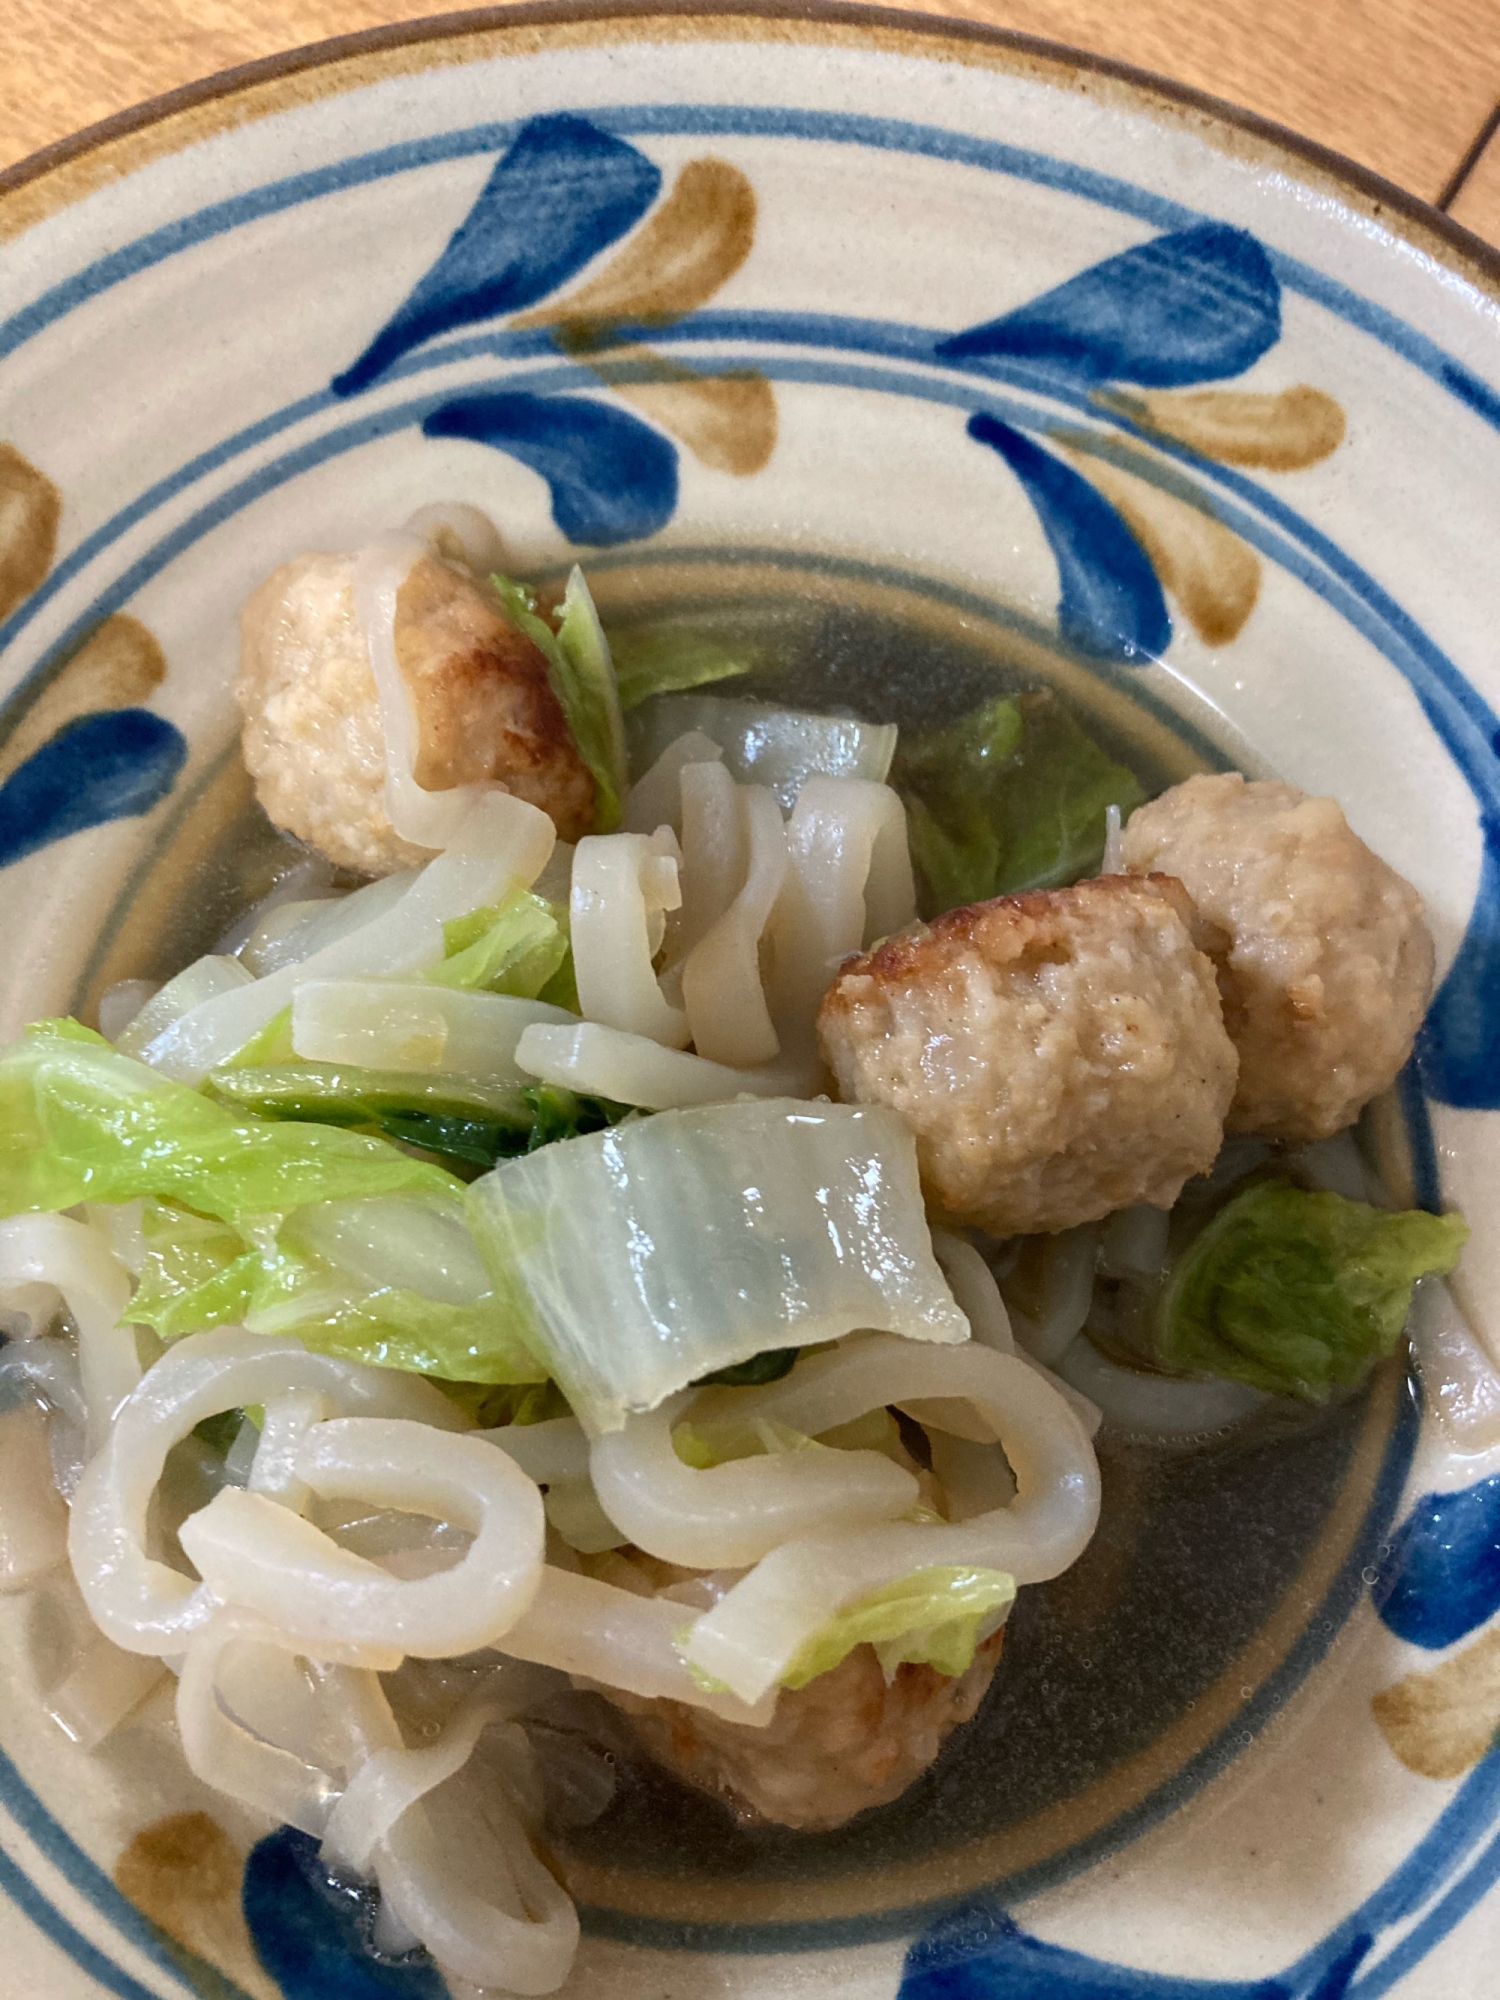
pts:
[55, 1250]
[722, 988]
[779, 747]
[581, 1625]
[503, 841]
[655, 799]
[204, 979]
[399, 1025]
[304, 887]
[751, 1637]
[138, 1602]
[712, 1234]
[631, 1069]
[729, 1516]
[294, 931]
[252, 1552]
[623, 884]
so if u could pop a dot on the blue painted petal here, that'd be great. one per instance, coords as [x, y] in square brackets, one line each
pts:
[613, 478]
[1442, 1576]
[110, 765]
[561, 193]
[1195, 306]
[985, 1955]
[1458, 1050]
[313, 1938]
[1111, 602]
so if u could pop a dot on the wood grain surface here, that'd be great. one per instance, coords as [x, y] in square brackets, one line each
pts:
[1404, 86]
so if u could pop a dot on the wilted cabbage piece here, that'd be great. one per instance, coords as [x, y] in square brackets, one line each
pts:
[934, 1617]
[396, 1281]
[79, 1122]
[1298, 1293]
[516, 946]
[1010, 797]
[583, 679]
[651, 1255]
[671, 659]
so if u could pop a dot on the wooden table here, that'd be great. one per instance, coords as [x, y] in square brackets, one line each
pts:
[1408, 87]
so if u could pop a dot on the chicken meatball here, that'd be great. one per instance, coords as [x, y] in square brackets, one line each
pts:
[1325, 964]
[1058, 1054]
[848, 1740]
[313, 740]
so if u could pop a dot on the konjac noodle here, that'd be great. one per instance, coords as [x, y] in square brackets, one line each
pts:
[659, 1198]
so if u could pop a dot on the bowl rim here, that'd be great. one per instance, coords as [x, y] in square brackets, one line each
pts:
[1427, 228]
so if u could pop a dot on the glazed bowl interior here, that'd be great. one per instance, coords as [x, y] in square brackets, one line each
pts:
[918, 365]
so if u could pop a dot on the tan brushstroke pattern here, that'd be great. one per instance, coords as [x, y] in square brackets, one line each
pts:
[1274, 433]
[695, 241]
[727, 421]
[117, 665]
[184, 1873]
[30, 506]
[1441, 1723]
[1214, 576]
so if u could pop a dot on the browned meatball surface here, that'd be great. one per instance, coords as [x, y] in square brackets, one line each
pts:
[313, 740]
[1058, 1055]
[847, 1740]
[1327, 963]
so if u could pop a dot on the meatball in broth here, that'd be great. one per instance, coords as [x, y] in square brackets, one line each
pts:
[313, 738]
[1324, 956]
[1058, 1054]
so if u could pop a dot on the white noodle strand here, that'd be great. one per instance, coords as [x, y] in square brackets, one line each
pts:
[257, 1554]
[135, 1600]
[655, 799]
[54, 1249]
[623, 883]
[729, 1516]
[714, 852]
[721, 977]
[426, 819]
[848, 883]
[631, 1069]
[583, 1626]
[751, 1637]
[503, 841]
[459, 533]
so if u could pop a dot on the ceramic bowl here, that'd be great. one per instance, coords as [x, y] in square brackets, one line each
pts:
[944, 356]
